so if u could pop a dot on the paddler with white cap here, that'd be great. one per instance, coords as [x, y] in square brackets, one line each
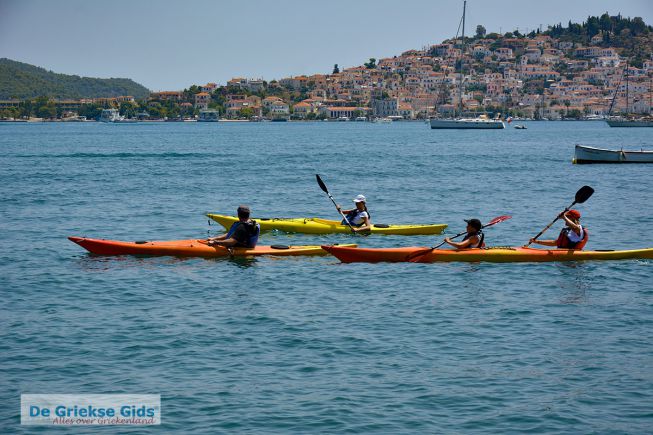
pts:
[358, 217]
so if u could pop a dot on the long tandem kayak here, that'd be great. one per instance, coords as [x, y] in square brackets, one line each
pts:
[326, 226]
[189, 248]
[494, 255]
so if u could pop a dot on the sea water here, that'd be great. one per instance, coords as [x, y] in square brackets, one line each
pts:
[306, 344]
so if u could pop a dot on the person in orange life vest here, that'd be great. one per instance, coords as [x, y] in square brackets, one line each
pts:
[474, 237]
[359, 217]
[572, 236]
[242, 234]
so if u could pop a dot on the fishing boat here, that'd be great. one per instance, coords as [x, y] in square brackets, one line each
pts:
[584, 154]
[460, 123]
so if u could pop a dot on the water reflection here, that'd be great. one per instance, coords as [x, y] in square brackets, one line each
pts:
[575, 280]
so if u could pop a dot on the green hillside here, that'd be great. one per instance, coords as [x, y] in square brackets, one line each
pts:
[21, 81]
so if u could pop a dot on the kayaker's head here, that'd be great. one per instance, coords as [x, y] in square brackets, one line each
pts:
[574, 215]
[473, 225]
[243, 213]
[360, 202]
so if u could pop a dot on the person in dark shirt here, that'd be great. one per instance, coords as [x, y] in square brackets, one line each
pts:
[474, 237]
[242, 234]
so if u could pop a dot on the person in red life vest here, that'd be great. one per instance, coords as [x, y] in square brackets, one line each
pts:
[242, 234]
[358, 217]
[572, 236]
[474, 237]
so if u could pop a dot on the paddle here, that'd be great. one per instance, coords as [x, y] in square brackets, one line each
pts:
[582, 195]
[494, 221]
[325, 190]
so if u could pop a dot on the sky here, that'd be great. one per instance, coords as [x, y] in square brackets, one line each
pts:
[172, 44]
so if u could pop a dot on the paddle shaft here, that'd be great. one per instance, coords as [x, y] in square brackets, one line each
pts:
[551, 224]
[325, 190]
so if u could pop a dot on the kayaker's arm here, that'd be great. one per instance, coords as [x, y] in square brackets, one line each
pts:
[221, 241]
[365, 227]
[544, 242]
[463, 244]
[573, 225]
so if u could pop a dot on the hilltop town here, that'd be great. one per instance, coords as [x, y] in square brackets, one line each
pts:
[602, 66]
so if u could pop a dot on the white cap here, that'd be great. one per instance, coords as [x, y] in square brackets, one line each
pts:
[359, 198]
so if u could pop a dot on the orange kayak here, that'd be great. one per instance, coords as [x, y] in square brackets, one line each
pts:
[188, 248]
[494, 255]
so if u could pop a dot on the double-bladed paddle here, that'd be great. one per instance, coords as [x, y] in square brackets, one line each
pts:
[325, 190]
[425, 251]
[582, 195]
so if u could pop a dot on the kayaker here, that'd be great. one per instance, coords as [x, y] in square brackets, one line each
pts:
[474, 237]
[358, 217]
[241, 234]
[572, 236]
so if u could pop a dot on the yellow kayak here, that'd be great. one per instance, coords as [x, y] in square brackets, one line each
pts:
[326, 226]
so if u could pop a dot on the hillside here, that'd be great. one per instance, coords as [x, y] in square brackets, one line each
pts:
[21, 81]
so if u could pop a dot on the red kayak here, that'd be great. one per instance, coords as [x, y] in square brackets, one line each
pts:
[494, 255]
[188, 248]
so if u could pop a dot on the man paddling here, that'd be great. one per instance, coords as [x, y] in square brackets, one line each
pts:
[572, 236]
[241, 234]
[474, 237]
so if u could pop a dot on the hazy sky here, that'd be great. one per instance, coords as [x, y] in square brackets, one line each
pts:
[171, 44]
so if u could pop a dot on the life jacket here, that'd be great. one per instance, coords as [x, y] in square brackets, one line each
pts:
[253, 231]
[563, 241]
[481, 238]
[352, 215]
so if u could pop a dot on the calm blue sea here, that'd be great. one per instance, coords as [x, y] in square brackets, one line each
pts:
[309, 345]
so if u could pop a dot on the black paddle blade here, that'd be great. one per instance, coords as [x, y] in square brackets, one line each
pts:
[583, 194]
[321, 184]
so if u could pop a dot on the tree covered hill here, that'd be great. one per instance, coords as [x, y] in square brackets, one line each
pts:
[23, 81]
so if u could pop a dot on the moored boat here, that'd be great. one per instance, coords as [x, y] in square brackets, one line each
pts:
[624, 122]
[584, 154]
[188, 248]
[482, 123]
[493, 255]
[326, 226]
[110, 115]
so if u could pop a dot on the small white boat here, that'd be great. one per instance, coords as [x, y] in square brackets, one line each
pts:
[584, 154]
[520, 127]
[110, 115]
[343, 119]
[208, 115]
[482, 122]
[361, 119]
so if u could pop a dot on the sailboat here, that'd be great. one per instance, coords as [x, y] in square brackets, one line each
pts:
[629, 120]
[482, 122]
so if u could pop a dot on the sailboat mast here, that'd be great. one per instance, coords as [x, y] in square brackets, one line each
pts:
[627, 105]
[462, 61]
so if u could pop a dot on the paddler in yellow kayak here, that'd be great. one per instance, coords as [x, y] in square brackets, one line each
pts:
[572, 236]
[358, 217]
[241, 234]
[474, 237]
